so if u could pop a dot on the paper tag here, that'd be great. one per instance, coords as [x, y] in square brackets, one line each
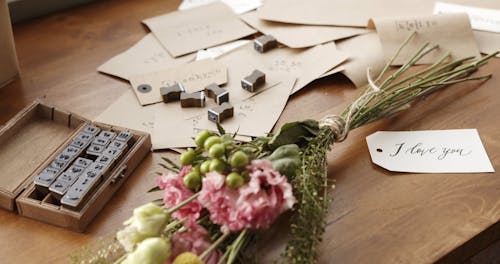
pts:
[431, 151]
[480, 18]
[238, 6]
[215, 52]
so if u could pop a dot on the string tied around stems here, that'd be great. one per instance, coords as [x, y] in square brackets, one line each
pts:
[340, 125]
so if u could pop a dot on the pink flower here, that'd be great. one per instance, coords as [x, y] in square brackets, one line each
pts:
[255, 205]
[176, 192]
[194, 240]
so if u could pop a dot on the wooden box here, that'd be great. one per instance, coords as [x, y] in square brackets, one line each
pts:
[31, 140]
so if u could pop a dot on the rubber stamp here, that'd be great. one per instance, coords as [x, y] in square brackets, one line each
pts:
[218, 94]
[193, 99]
[220, 113]
[254, 81]
[171, 93]
[124, 136]
[265, 43]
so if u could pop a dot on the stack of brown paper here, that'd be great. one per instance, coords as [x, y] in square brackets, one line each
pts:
[145, 56]
[452, 32]
[300, 36]
[8, 66]
[183, 32]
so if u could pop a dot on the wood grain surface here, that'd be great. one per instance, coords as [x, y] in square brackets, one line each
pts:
[377, 216]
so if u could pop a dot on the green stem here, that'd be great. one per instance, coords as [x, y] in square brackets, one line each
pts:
[188, 200]
[236, 246]
[214, 245]
[121, 259]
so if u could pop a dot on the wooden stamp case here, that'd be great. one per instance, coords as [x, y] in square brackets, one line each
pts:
[31, 140]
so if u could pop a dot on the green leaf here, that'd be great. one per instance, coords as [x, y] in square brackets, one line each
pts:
[173, 164]
[154, 189]
[221, 129]
[294, 133]
[158, 202]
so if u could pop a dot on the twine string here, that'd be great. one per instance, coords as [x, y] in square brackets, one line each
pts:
[342, 125]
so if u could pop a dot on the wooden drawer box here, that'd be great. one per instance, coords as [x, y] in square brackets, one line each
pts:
[33, 139]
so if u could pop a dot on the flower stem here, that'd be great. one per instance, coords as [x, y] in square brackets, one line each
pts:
[188, 200]
[214, 245]
[236, 246]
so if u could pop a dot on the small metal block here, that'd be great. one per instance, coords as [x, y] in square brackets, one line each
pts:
[144, 88]
[109, 135]
[105, 159]
[117, 144]
[82, 162]
[90, 129]
[58, 164]
[91, 173]
[172, 93]
[64, 157]
[98, 167]
[66, 177]
[265, 43]
[193, 99]
[253, 81]
[46, 177]
[220, 113]
[218, 94]
[95, 150]
[59, 187]
[71, 151]
[79, 143]
[100, 141]
[74, 170]
[113, 152]
[78, 191]
[124, 136]
[84, 137]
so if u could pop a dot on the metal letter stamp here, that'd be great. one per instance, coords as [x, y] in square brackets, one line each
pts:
[254, 81]
[193, 99]
[218, 94]
[220, 113]
[265, 43]
[171, 93]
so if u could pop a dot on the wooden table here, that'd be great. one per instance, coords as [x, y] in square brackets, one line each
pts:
[377, 216]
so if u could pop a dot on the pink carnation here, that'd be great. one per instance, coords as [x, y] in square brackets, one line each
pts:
[255, 205]
[194, 240]
[176, 192]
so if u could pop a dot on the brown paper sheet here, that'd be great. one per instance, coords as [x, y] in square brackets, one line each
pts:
[354, 13]
[127, 112]
[194, 76]
[8, 64]
[175, 126]
[147, 55]
[300, 36]
[304, 64]
[183, 32]
[452, 32]
[488, 42]
[364, 52]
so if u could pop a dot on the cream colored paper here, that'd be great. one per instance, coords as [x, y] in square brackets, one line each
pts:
[8, 64]
[304, 64]
[255, 116]
[300, 36]
[481, 19]
[364, 52]
[238, 6]
[146, 56]
[183, 32]
[194, 76]
[175, 126]
[218, 51]
[452, 32]
[432, 151]
[127, 112]
[354, 13]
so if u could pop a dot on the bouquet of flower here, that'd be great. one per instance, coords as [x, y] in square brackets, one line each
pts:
[224, 192]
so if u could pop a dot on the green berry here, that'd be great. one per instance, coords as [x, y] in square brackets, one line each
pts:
[246, 175]
[205, 166]
[216, 150]
[192, 180]
[202, 137]
[234, 180]
[210, 141]
[187, 157]
[217, 165]
[239, 159]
